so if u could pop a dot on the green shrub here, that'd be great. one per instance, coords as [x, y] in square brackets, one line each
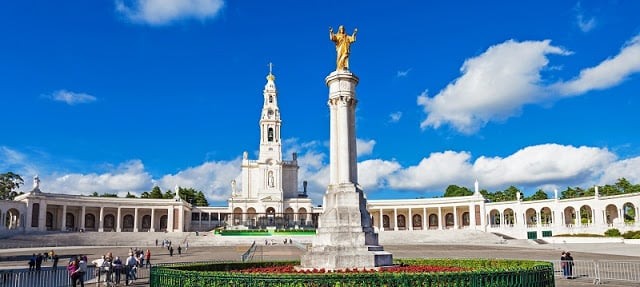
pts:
[613, 232]
[631, 235]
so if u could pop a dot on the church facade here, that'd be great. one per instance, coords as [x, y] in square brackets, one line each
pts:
[269, 198]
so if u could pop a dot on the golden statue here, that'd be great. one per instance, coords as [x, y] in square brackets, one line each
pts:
[343, 46]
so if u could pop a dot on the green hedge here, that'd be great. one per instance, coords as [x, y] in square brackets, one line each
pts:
[484, 272]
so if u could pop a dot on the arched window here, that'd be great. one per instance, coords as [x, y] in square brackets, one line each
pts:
[146, 222]
[448, 220]
[433, 221]
[385, 221]
[270, 134]
[270, 99]
[48, 222]
[109, 222]
[70, 221]
[35, 214]
[417, 221]
[465, 219]
[163, 223]
[401, 221]
[89, 221]
[127, 222]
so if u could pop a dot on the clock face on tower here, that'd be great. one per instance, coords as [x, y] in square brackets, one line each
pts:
[270, 114]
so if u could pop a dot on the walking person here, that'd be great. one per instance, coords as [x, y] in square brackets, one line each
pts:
[147, 256]
[563, 264]
[179, 250]
[72, 268]
[117, 269]
[170, 251]
[130, 269]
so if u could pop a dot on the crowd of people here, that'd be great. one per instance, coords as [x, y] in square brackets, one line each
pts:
[36, 260]
[114, 268]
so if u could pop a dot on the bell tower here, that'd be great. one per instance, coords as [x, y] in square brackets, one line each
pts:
[270, 123]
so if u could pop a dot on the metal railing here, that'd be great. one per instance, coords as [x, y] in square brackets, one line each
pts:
[59, 277]
[248, 255]
[601, 270]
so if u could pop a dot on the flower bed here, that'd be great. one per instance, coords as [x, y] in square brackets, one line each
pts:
[406, 272]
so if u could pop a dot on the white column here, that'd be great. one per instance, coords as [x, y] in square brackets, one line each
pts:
[63, 225]
[424, 218]
[170, 219]
[181, 218]
[82, 217]
[538, 217]
[483, 216]
[380, 222]
[135, 219]
[578, 221]
[440, 219]
[153, 220]
[42, 220]
[343, 144]
[101, 220]
[455, 217]
[410, 220]
[472, 216]
[395, 219]
[119, 219]
[333, 143]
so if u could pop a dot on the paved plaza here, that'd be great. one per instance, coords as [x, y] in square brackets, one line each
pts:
[16, 258]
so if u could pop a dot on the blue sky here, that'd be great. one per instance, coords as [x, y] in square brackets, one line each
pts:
[118, 96]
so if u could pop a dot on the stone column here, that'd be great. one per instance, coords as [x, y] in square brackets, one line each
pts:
[345, 236]
[181, 218]
[440, 219]
[472, 216]
[170, 219]
[135, 219]
[381, 221]
[410, 219]
[63, 222]
[153, 220]
[101, 220]
[82, 212]
[578, 221]
[424, 219]
[395, 219]
[42, 220]
[483, 216]
[539, 217]
[455, 217]
[119, 220]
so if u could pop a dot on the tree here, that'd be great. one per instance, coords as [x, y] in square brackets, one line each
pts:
[539, 195]
[157, 193]
[168, 195]
[129, 195]
[454, 190]
[144, 194]
[9, 183]
[200, 199]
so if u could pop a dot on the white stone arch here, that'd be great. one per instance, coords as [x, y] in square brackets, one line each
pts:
[466, 219]
[433, 221]
[416, 221]
[586, 215]
[237, 216]
[302, 215]
[569, 215]
[546, 215]
[611, 213]
[509, 216]
[252, 216]
[449, 220]
[289, 217]
[629, 213]
[494, 217]
[531, 216]
[402, 222]
[12, 219]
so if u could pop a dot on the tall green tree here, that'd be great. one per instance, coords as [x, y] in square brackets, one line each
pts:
[454, 190]
[157, 193]
[129, 195]
[9, 183]
[168, 194]
[538, 195]
[200, 199]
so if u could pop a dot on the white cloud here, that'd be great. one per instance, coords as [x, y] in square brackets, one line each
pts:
[608, 73]
[364, 147]
[402, 74]
[627, 168]
[395, 117]
[372, 173]
[71, 98]
[585, 24]
[212, 178]
[496, 84]
[493, 86]
[435, 172]
[162, 12]
[127, 177]
[543, 164]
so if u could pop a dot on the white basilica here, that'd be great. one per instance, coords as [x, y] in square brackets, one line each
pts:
[269, 198]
